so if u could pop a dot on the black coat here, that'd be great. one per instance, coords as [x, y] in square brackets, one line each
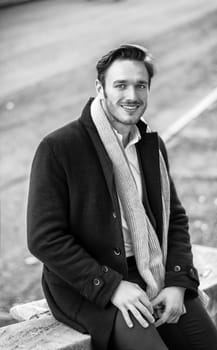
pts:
[74, 225]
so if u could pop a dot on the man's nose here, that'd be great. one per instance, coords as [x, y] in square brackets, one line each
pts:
[131, 93]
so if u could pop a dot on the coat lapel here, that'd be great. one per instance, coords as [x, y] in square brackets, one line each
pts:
[104, 159]
[148, 148]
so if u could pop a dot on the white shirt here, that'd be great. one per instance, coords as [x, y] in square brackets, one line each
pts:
[131, 154]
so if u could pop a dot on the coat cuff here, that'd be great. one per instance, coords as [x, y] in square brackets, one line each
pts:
[101, 287]
[187, 278]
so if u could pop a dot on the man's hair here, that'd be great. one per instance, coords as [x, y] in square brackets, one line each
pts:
[125, 52]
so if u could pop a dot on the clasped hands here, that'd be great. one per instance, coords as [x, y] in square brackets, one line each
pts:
[167, 307]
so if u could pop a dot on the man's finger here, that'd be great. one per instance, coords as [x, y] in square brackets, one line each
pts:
[139, 316]
[145, 312]
[127, 318]
[145, 301]
[158, 300]
[174, 316]
[163, 319]
[174, 320]
[159, 322]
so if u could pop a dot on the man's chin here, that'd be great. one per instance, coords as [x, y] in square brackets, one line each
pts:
[131, 118]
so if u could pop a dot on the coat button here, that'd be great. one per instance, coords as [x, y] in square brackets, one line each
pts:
[114, 215]
[96, 282]
[105, 268]
[192, 272]
[177, 268]
[117, 251]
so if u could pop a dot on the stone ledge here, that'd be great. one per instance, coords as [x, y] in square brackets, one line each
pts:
[29, 311]
[205, 259]
[43, 333]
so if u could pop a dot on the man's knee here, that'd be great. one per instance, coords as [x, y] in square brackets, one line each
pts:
[136, 338]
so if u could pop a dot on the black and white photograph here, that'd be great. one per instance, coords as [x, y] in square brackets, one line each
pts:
[108, 175]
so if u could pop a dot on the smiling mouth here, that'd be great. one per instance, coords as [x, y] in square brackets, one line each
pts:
[130, 108]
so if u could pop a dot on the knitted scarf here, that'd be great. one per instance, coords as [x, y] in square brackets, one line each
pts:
[150, 257]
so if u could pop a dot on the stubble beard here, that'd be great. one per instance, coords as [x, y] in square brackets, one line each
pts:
[115, 118]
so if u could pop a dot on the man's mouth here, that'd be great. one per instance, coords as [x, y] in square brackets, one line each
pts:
[131, 107]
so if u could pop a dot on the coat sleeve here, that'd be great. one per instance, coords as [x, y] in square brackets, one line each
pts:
[180, 270]
[49, 237]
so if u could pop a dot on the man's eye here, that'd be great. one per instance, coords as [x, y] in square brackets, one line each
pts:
[121, 86]
[142, 86]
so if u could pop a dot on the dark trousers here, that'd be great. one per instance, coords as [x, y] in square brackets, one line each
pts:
[194, 331]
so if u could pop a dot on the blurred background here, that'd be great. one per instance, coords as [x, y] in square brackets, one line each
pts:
[48, 52]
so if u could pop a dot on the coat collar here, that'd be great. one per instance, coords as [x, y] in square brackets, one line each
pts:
[148, 149]
[105, 161]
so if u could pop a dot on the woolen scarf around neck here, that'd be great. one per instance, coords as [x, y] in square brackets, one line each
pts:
[150, 257]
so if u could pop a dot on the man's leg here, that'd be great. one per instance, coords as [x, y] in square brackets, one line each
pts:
[195, 328]
[136, 338]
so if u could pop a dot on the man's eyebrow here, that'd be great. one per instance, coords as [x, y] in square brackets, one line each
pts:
[119, 81]
[145, 82]
[125, 81]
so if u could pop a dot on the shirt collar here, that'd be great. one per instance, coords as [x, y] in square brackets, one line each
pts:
[134, 137]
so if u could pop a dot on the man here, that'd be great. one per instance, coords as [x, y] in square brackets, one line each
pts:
[105, 220]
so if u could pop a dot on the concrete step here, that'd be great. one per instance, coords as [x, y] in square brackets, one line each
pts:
[43, 333]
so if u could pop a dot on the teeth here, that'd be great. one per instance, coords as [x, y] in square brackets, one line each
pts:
[130, 108]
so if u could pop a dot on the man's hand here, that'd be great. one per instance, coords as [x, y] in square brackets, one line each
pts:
[130, 297]
[169, 305]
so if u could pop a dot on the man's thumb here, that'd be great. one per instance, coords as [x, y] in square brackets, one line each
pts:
[156, 301]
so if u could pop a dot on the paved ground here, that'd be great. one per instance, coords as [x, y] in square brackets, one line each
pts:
[45, 38]
[48, 51]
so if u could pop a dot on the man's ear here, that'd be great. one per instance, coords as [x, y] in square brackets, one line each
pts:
[99, 89]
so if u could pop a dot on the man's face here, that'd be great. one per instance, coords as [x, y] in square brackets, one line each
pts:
[126, 91]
